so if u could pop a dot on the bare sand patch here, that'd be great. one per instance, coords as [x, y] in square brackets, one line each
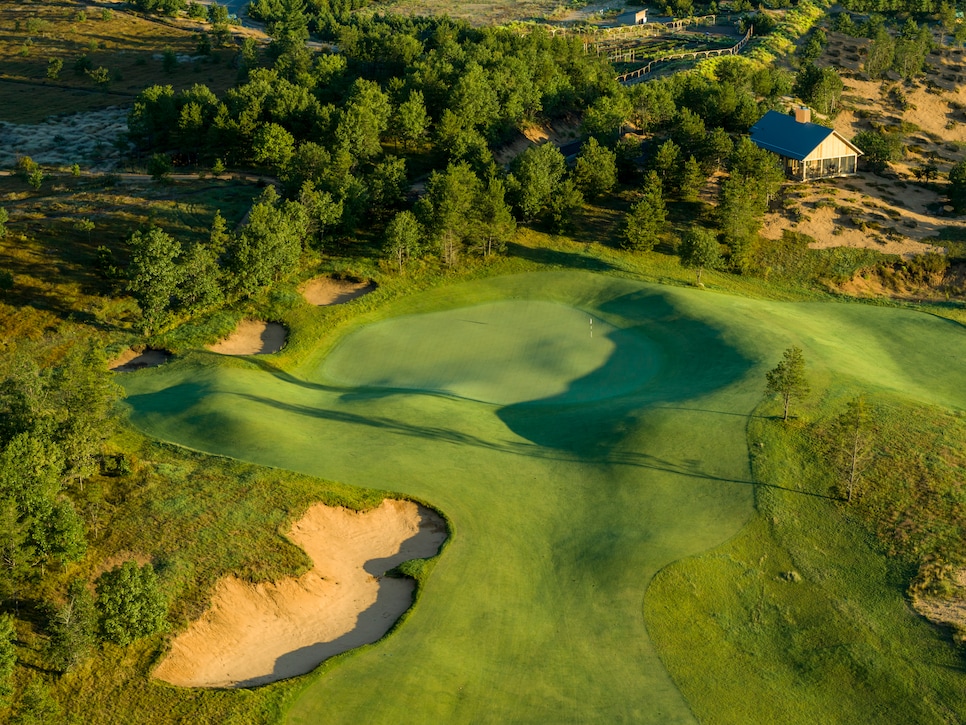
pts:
[946, 611]
[131, 360]
[259, 633]
[329, 291]
[889, 215]
[252, 337]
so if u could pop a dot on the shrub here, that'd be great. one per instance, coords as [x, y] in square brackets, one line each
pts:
[130, 604]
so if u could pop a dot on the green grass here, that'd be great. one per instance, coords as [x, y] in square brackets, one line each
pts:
[571, 485]
[802, 613]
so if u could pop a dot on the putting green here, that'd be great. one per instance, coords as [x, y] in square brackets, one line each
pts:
[572, 468]
[502, 352]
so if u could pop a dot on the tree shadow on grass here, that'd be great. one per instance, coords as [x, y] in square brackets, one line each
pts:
[695, 361]
[557, 258]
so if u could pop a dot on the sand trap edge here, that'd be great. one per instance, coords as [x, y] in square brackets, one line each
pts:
[252, 337]
[255, 634]
[327, 291]
[131, 360]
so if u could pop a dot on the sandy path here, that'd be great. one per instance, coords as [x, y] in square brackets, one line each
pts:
[329, 291]
[252, 337]
[131, 360]
[254, 634]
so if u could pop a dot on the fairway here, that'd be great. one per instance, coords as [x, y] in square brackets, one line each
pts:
[571, 467]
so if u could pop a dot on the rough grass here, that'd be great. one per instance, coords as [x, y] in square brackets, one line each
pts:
[129, 46]
[197, 518]
[56, 264]
[476, 13]
[800, 605]
[564, 509]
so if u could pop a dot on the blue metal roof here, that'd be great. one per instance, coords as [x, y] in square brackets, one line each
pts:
[787, 137]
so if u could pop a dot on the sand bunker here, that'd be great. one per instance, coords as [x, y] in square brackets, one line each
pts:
[131, 360]
[255, 634]
[329, 291]
[252, 337]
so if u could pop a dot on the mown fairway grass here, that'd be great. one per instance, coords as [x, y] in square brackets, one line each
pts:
[572, 470]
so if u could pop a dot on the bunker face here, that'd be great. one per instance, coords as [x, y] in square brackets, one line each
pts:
[503, 353]
[255, 634]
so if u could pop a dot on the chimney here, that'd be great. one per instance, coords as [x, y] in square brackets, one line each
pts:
[803, 114]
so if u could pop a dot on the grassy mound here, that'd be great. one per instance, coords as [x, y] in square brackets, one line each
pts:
[571, 474]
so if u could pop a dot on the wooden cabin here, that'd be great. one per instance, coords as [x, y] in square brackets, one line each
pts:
[808, 151]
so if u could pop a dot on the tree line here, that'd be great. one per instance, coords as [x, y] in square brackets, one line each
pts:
[57, 404]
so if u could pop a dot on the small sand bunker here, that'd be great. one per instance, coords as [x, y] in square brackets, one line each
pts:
[252, 337]
[328, 291]
[131, 360]
[255, 634]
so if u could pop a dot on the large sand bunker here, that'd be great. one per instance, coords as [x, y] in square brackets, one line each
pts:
[329, 291]
[252, 337]
[255, 634]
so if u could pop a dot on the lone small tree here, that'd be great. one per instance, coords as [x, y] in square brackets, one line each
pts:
[700, 250]
[787, 379]
[853, 444]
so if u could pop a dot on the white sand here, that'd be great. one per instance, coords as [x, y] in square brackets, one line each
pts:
[80, 138]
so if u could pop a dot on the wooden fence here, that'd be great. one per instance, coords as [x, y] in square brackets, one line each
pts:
[595, 38]
[640, 73]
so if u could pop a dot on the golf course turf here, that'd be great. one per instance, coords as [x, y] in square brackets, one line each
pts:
[572, 468]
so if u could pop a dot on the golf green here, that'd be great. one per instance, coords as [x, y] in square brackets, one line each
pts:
[572, 469]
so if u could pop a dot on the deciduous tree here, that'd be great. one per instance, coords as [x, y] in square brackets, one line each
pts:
[403, 238]
[595, 172]
[412, 121]
[700, 251]
[852, 449]
[364, 119]
[537, 172]
[130, 603]
[154, 273]
[448, 209]
[73, 626]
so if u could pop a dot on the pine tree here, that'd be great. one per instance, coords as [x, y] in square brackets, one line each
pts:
[647, 220]
[787, 379]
